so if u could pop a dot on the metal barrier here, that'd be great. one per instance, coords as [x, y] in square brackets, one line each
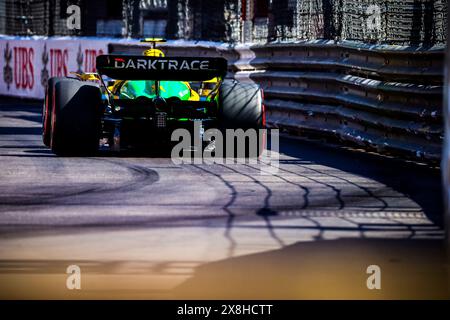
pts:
[387, 98]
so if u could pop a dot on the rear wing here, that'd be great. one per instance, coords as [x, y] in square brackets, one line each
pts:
[123, 67]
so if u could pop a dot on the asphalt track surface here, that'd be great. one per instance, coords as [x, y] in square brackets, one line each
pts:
[143, 227]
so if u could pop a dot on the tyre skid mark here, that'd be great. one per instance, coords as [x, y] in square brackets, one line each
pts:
[141, 177]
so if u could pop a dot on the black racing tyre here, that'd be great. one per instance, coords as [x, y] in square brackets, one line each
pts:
[47, 110]
[75, 125]
[241, 107]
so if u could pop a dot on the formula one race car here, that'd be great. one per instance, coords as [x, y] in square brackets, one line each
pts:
[145, 99]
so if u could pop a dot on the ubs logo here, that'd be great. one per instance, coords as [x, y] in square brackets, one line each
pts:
[23, 67]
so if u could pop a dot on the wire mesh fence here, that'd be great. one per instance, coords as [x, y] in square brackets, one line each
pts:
[411, 22]
[36, 17]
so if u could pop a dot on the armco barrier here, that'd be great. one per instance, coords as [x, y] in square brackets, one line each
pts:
[387, 98]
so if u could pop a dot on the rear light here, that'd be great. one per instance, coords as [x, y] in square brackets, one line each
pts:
[161, 119]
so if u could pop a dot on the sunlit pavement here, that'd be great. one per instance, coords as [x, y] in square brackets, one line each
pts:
[146, 228]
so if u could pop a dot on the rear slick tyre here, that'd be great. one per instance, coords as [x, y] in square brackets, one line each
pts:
[241, 107]
[75, 125]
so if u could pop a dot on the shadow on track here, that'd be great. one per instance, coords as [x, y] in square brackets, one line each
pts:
[418, 182]
[331, 269]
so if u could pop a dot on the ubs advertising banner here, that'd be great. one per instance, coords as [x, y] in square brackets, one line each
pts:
[27, 64]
